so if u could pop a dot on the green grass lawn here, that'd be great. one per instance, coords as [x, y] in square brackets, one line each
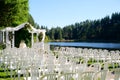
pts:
[6, 75]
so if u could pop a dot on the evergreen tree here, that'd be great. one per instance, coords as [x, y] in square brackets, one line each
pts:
[106, 29]
[31, 20]
[13, 12]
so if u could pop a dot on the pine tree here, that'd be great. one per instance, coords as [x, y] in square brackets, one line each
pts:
[13, 12]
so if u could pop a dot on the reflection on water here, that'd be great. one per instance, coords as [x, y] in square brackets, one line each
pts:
[87, 44]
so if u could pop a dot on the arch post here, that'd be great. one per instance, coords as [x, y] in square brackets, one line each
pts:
[32, 41]
[13, 39]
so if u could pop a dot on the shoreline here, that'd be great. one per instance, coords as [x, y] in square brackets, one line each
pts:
[110, 49]
[95, 41]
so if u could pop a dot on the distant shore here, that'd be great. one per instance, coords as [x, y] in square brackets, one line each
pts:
[100, 41]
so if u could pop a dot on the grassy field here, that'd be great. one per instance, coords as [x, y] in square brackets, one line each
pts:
[6, 75]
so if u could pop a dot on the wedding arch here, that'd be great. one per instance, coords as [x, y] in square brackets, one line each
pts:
[6, 35]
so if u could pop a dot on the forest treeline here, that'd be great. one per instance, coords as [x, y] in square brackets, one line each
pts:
[106, 29]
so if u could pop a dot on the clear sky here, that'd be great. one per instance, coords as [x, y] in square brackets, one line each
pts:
[53, 13]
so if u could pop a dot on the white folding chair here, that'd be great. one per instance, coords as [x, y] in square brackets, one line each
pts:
[116, 73]
[100, 75]
[88, 75]
[68, 76]
[49, 77]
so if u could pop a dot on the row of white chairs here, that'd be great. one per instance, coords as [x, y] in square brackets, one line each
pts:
[94, 54]
[101, 56]
[39, 63]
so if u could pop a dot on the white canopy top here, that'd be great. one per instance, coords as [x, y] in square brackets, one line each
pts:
[14, 28]
[33, 30]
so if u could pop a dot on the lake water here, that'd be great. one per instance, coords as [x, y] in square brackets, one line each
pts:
[87, 44]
